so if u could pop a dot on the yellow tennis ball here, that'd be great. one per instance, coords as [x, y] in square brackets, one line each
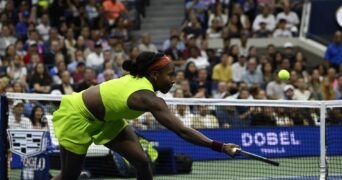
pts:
[284, 75]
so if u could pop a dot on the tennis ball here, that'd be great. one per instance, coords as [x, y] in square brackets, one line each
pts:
[284, 75]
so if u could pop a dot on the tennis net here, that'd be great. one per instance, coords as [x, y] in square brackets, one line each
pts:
[304, 136]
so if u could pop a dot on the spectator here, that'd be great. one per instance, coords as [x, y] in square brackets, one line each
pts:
[281, 31]
[95, 59]
[267, 73]
[288, 92]
[70, 43]
[146, 44]
[6, 38]
[222, 72]
[218, 14]
[252, 76]
[201, 86]
[200, 10]
[57, 78]
[301, 92]
[37, 118]
[179, 77]
[88, 80]
[239, 68]
[121, 29]
[190, 71]
[262, 116]
[275, 88]
[222, 90]
[16, 70]
[33, 49]
[234, 27]
[107, 72]
[265, 16]
[314, 85]
[17, 120]
[92, 10]
[40, 80]
[118, 61]
[240, 12]
[65, 86]
[113, 9]
[192, 25]
[333, 54]
[185, 86]
[262, 31]
[199, 58]
[282, 117]
[167, 43]
[290, 17]
[44, 27]
[327, 90]
[78, 74]
[59, 58]
[203, 119]
[174, 53]
[184, 114]
[79, 57]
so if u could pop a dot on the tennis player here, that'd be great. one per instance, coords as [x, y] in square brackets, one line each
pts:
[98, 115]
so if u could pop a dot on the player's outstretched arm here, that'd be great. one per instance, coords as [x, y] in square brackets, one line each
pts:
[148, 101]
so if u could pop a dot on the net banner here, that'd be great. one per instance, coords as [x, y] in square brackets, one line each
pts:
[270, 142]
[30, 152]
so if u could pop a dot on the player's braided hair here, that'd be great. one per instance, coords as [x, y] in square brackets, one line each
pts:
[139, 66]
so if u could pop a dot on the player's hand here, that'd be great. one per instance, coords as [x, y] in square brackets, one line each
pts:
[228, 149]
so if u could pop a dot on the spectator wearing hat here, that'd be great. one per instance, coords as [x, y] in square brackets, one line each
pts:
[281, 30]
[17, 120]
[289, 52]
[288, 92]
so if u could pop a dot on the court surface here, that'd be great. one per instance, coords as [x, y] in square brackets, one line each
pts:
[300, 168]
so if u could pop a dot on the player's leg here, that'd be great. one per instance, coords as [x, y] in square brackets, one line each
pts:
[71, 165]
[127, 144]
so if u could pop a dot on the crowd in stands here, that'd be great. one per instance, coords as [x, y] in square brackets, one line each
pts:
[66, 46]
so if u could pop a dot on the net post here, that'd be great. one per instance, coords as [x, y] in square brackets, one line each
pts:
[323, 148]
[3, 137]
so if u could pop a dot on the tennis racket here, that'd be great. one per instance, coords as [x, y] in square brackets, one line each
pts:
[254, 156]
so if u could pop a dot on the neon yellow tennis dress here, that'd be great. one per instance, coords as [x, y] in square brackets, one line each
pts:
[76, 128]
